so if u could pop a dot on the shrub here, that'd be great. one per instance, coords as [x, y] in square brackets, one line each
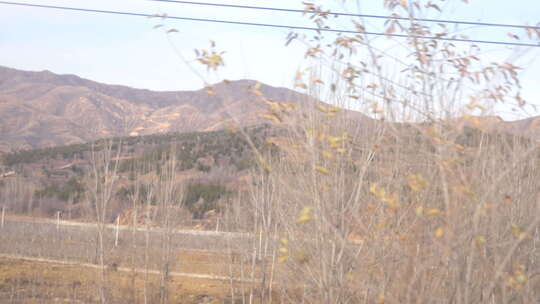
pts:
[202, 197]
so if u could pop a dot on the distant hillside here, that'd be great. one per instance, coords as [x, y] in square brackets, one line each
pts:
[529, 127]
[43, 109]
[211, 164]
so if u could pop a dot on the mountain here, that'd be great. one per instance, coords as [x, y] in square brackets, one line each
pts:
[529, 127]
[43, 109]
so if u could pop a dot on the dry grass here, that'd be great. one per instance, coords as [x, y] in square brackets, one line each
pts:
[34, 282]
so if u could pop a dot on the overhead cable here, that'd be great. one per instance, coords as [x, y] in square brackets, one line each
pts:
[290, 27]
[351, 14]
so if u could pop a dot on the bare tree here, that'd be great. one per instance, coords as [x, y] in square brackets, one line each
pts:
[169, 196]
[103, 178]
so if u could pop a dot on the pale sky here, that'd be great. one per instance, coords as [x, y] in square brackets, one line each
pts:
[127, 50]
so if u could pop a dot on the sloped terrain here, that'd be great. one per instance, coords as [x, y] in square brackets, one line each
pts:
[42, 109]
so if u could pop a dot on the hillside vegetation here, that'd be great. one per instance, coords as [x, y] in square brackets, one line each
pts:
[54, 178]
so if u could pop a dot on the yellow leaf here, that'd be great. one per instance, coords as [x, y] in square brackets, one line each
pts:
[481, 239]
[530, 32]
[328, 109]
[373, 188]
[333, 140]
[473, 120]
[305, 215]
[271, 141]
[322, 108]
[459, 147]
[518, 232]
[390, 199]
[393, 205]
[419, 211]
[214, 61]
[439, 232]
[289, 105]
[273, 105]
[520, 277]
[322, 170]
[264, 165]
[377, 191]
[328, 155]
[301, 256]
[473, 106]
[301, 85]
[433, 211]
[273, 117]
[334, 109]
[417, 182]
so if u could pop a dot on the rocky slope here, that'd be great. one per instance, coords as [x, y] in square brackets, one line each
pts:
[42, 109]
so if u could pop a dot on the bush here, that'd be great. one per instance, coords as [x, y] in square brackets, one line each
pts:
[72, 189]
[202, 197]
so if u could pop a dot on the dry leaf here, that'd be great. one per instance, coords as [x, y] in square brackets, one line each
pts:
[439, 232]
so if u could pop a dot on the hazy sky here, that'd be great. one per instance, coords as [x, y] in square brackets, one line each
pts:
[127, 50]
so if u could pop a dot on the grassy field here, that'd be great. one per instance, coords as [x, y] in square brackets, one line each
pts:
[24, 281]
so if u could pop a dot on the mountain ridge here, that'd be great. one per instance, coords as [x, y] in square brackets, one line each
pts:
[44, 109]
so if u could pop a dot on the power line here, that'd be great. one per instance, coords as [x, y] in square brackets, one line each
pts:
[350, 14]
[290, 27]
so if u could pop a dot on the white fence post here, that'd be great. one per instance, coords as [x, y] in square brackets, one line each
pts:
[3, 215]
[57, 220]
[117, 231]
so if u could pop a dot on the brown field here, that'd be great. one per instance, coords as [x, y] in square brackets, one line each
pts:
[24, 281]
